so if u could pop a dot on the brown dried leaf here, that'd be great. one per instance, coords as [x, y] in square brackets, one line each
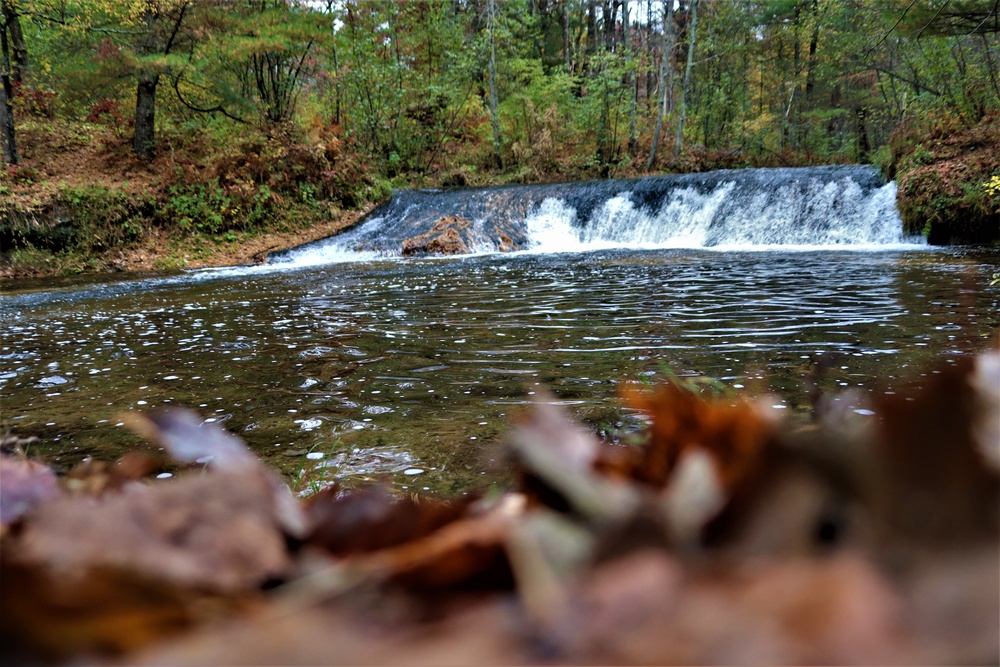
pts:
[953, 609]
[104, 610]
[466, 551]
[735, 434]
[793, 505]
[985, 381]
[218, 532]
[556, 456]
[469, 551]
[372, 518]
[694, 495]
[645, 609]
[24, 484]
[97, 477]
[189, 440]
[931, 485]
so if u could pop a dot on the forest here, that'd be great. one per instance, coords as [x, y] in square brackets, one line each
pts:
[212, 122]
[773, 449]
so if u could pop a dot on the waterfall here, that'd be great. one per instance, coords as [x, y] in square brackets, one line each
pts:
[847, 207]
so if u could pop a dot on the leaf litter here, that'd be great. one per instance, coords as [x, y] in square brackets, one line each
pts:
[727, 535]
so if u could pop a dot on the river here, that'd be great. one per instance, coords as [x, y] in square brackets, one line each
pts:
[340, 360]
[413, 370]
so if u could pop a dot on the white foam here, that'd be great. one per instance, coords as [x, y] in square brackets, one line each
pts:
[551, 228]
[822, 216]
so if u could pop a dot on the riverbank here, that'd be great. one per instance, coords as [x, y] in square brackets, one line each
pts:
[948, 174]
[81, 202]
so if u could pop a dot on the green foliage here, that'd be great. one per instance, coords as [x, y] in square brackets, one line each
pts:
[30, 260]
[208, 208]
[84, 221]
[103, 218]
[253, 60]
[533, 117]
[774, 81]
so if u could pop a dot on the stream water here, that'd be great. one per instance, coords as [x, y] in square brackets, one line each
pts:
[341, 361]
[413, 369]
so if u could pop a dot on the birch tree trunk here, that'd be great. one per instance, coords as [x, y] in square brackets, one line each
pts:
[632, 86]
[685, 89]
[490, 27]
[666, 64]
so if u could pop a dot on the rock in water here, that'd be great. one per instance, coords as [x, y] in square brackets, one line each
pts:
[444, 238]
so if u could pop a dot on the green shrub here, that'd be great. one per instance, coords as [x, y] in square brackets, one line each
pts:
[212, 209]
[102, 218]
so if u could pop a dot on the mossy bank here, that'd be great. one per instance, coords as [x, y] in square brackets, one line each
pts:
[948, 173]
[82, 203]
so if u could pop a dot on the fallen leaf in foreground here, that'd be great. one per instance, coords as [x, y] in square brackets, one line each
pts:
[23, 485]
[728, 538]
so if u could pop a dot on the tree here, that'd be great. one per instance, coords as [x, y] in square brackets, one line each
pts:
[686, 88]
[253, 60]
[952, 18]
[633, 140]
[19, 52]
[7, 135]
[666, 76]
[160, 32]
[490, 30]
[143, 34]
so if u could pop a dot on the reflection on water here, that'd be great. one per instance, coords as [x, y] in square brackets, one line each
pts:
[412, 370]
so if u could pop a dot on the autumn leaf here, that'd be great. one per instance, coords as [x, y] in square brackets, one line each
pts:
[733, 434]
[24, 484]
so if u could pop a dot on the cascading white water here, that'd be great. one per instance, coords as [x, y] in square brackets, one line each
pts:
[843, 207]
[836, 214]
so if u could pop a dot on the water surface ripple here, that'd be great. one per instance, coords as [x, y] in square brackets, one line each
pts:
[384, 368]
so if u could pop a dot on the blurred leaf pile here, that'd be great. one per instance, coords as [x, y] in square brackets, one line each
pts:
[728, 536]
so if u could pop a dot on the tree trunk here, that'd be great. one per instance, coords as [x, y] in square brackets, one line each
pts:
[610, 10]
[145, 115]
[19, 59]
[692, 35]
[491, 19]
[666, 63]
[567, 39]
[10, 154]
[861, 118]
[811, 71]
[632, 87]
